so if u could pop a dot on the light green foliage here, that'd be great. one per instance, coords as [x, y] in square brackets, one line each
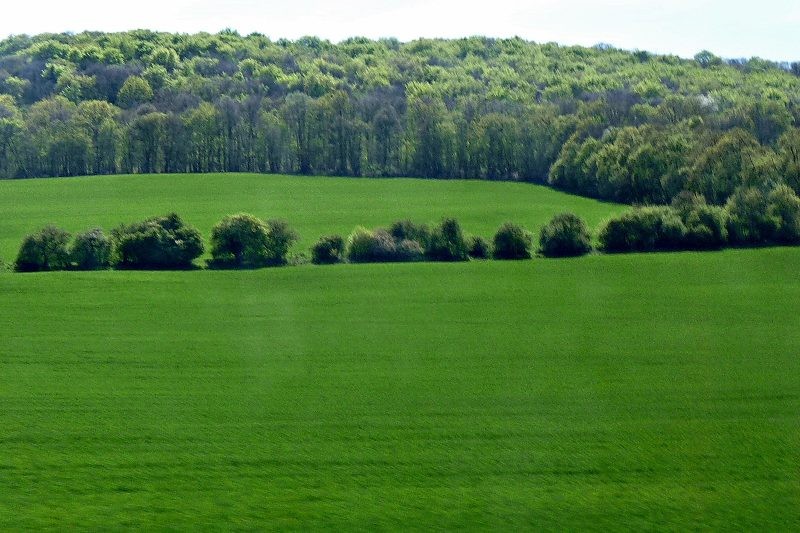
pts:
[631, 127]
[135, 91]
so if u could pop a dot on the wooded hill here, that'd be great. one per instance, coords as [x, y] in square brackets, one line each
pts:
[627, 126]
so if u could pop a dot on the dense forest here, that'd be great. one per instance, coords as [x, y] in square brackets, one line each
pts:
[626, 126]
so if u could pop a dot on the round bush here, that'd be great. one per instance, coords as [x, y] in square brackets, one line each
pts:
[408, 250]
[784, 207]
[328, 250]
[156, 243]
[512, 242]
[43, 251]
[407, 230]
[447, 242]
[644, 229]
[749, 217]
[280, 237]
[479, 248]
[378, 246]
[245, 241]
[360, 245]
[566, 235]
[239, 241]
[91, 250]
[706, 227]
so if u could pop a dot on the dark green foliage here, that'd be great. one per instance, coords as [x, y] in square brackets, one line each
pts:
[408, 230]
[447, 242]
[328, 250]
[408, 250]
[645, 229]
[361, 246]
[378, 246]
[784, 207]
[479, 248]
[565, 236]
[706, 226]
[750, 221]
[365, 246]
[91, 250]
[280, 238]
[156, 243]
[44, 250]
[512, 241]
[240, 241]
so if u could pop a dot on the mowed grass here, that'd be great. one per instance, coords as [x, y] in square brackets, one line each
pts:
[314, 206]
[631, 392]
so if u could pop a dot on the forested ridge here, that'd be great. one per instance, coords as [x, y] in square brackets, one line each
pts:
[627, 126]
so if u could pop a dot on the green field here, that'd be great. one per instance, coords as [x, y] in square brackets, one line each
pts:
[315, 206]
[632, 392]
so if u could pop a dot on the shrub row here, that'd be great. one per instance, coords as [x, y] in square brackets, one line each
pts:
[244, 241]
[406, 241]
[751, 217]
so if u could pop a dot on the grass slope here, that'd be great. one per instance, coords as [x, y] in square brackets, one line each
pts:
[315, 206]
[610, 392]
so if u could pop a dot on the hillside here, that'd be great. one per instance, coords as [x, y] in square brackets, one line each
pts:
[626, 126]
[315, 206]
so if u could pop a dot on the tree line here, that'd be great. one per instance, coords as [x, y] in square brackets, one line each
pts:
[631, 127]
[751, 217]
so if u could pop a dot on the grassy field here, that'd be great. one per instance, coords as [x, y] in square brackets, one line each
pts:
[610, 392]
[315, 206]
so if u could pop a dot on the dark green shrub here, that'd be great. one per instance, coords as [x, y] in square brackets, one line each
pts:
[512, 242]
[44, 250]
[784, 207]
[687, 201]
[644, 229]
[280, 237]
[245, 241]
[408, 230]
[706, 227]
[447, 242]
[328, 250]
[360, 244]
[750, 220]
[378, 246]
[566, 235]
[91, 250]
[156, 243]
[479, 248]
[239, 241]
[408, 250]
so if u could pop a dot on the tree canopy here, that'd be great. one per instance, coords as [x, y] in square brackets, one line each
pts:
[623, 125]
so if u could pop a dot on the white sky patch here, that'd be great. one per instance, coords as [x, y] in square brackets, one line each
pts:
[732, 28]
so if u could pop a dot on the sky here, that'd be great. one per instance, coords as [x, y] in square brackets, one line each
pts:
[730, 28]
